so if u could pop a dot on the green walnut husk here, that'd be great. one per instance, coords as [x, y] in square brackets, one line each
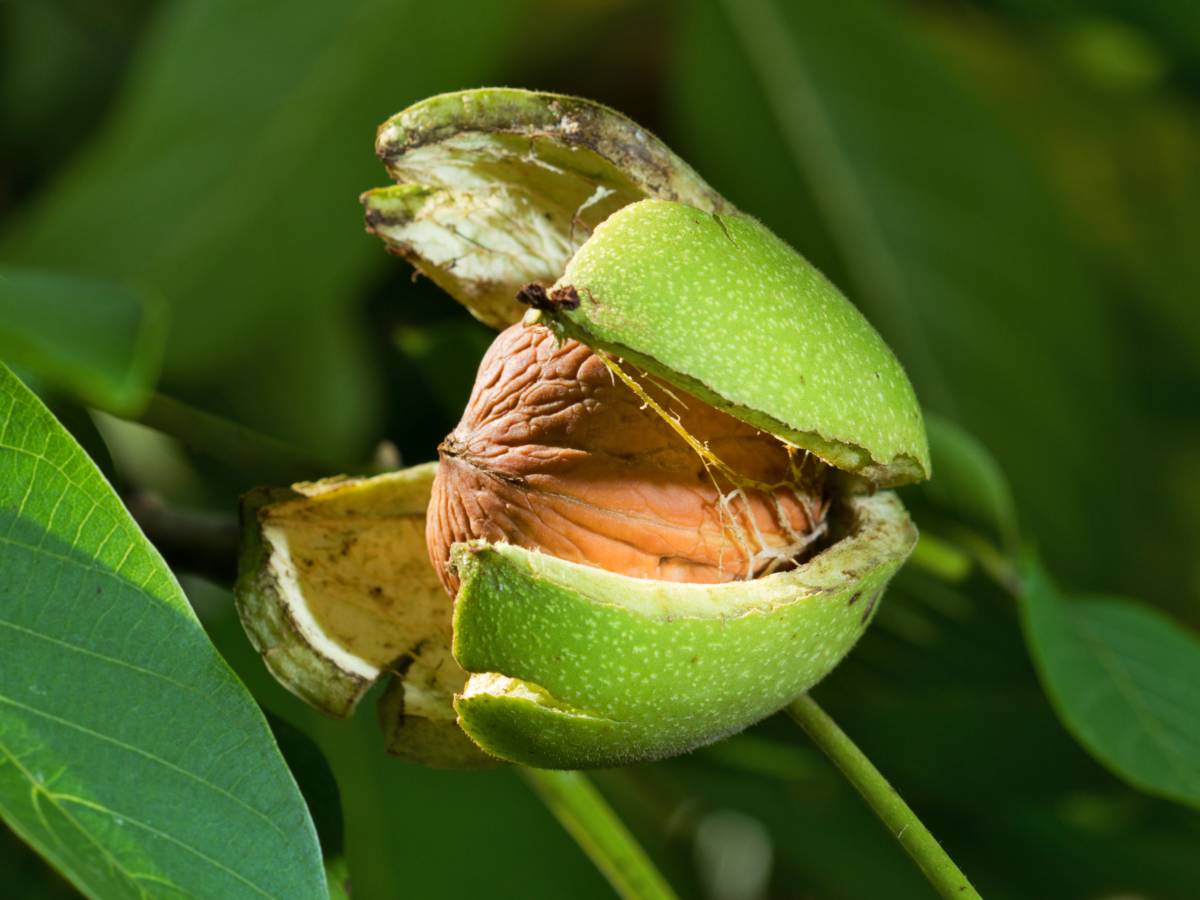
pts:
[578, 667]
[720, 306]
[558, 664]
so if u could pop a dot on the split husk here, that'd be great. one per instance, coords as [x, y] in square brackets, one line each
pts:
[560, 664]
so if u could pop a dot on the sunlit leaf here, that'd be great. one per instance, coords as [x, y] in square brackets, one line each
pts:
[98, 340]
[130, 755]
[1123, 679]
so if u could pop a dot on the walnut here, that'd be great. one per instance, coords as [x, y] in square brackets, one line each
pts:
[555, 453]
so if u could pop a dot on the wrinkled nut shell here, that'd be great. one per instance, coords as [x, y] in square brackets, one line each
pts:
[555, 453]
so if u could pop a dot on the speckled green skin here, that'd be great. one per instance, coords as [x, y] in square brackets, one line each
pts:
[616, 670]
[719, 305]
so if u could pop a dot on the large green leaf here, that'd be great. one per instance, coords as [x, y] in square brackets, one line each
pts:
[855, 141]
[100, 341]
[1124, 679]
[227, 179]
[130, 755]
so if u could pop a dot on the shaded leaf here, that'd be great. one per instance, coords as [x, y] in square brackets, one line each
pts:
[26, 875]
[447, 355]
[1086, 845]
[227, 179]
[820, 830]
[337, 873]
[100, 341]
[968, 482]
[315, 779]
[1123, 679]
[238, 446]
[60, 63]
[1126, 167]
[130, 755]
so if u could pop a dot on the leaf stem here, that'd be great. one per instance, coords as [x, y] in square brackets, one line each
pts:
[897, 816]
[588, 818]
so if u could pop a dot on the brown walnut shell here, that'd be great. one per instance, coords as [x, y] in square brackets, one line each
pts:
[555, 453]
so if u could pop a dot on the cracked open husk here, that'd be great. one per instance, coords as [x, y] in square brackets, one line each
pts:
[497, 188]
[336, 592]
[577, 667]
[570, 665]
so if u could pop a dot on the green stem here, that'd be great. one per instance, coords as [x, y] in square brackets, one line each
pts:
[588, 818]
[926, 852]
[941, 558]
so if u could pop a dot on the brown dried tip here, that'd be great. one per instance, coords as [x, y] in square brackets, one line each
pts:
[555, 453]
[536, 295]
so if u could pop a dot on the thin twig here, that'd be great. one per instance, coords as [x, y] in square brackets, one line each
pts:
[588, 818]
[897, 816]
[193, 541]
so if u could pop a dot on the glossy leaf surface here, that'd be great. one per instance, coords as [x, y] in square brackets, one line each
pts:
[1123, 679]
[130, 754]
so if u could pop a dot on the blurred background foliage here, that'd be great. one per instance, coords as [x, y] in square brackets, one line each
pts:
[1010, 190]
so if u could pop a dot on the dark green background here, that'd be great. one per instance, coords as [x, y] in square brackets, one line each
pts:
[1009, 190]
